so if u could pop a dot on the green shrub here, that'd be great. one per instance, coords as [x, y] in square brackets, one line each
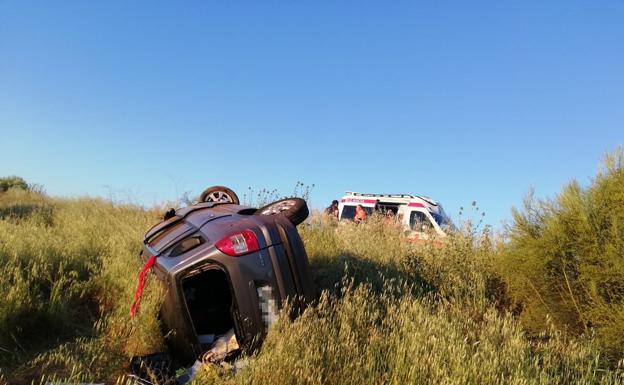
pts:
[13, 182]
[565, 258]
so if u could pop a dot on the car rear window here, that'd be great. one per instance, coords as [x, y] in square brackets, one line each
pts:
[164, 238]
[185, 245]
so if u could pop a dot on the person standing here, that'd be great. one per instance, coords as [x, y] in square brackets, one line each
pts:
[332, 210]
[360, 214]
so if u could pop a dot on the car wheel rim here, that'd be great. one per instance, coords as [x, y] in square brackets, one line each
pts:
[219, 196]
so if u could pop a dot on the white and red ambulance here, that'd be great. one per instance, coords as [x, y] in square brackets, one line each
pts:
[417, 214]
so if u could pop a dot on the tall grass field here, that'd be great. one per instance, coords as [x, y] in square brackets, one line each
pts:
[538, 303]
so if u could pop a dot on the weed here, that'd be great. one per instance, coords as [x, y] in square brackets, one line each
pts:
[388, 311]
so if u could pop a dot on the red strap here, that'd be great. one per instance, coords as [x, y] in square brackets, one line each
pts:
[139, 290]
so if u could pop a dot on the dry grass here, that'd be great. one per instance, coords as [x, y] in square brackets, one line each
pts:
[388, 312]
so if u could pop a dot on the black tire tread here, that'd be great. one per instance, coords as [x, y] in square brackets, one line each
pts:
[296, 214]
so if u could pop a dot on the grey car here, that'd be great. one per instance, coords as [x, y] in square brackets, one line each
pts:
[227, 267]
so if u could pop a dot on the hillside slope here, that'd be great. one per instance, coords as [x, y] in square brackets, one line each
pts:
[388, 312]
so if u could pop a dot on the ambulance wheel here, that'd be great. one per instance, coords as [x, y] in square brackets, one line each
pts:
[295, 209]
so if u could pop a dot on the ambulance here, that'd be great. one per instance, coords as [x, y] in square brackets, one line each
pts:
[420, 216]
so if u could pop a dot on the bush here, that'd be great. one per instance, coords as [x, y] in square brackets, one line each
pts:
[565, 258]
[13, 182]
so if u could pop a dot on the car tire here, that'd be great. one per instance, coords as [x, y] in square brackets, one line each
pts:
[219, 194]
[295, 209]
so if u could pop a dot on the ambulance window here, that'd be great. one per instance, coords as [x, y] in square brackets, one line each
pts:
[418, 219]
[385, 207]
[348, 212]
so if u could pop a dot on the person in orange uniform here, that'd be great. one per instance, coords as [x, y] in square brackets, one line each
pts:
[360, 214]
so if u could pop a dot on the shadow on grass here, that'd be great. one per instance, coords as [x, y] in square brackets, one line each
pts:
[31, 332]
[22, 211]
[329, 273]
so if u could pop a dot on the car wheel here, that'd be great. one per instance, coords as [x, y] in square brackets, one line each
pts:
[295, 209]
[219, 194]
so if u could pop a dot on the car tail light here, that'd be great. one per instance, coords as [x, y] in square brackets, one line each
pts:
[238, 244]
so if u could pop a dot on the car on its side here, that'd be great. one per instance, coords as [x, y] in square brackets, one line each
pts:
[227, 268]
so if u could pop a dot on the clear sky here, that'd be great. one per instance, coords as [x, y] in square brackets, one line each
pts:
[458, 100]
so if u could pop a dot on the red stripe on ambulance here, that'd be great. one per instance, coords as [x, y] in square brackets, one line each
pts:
[356, 200]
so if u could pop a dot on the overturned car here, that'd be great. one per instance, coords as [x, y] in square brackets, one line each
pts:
[226, 270]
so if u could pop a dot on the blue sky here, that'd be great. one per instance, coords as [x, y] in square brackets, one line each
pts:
[461, 101]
